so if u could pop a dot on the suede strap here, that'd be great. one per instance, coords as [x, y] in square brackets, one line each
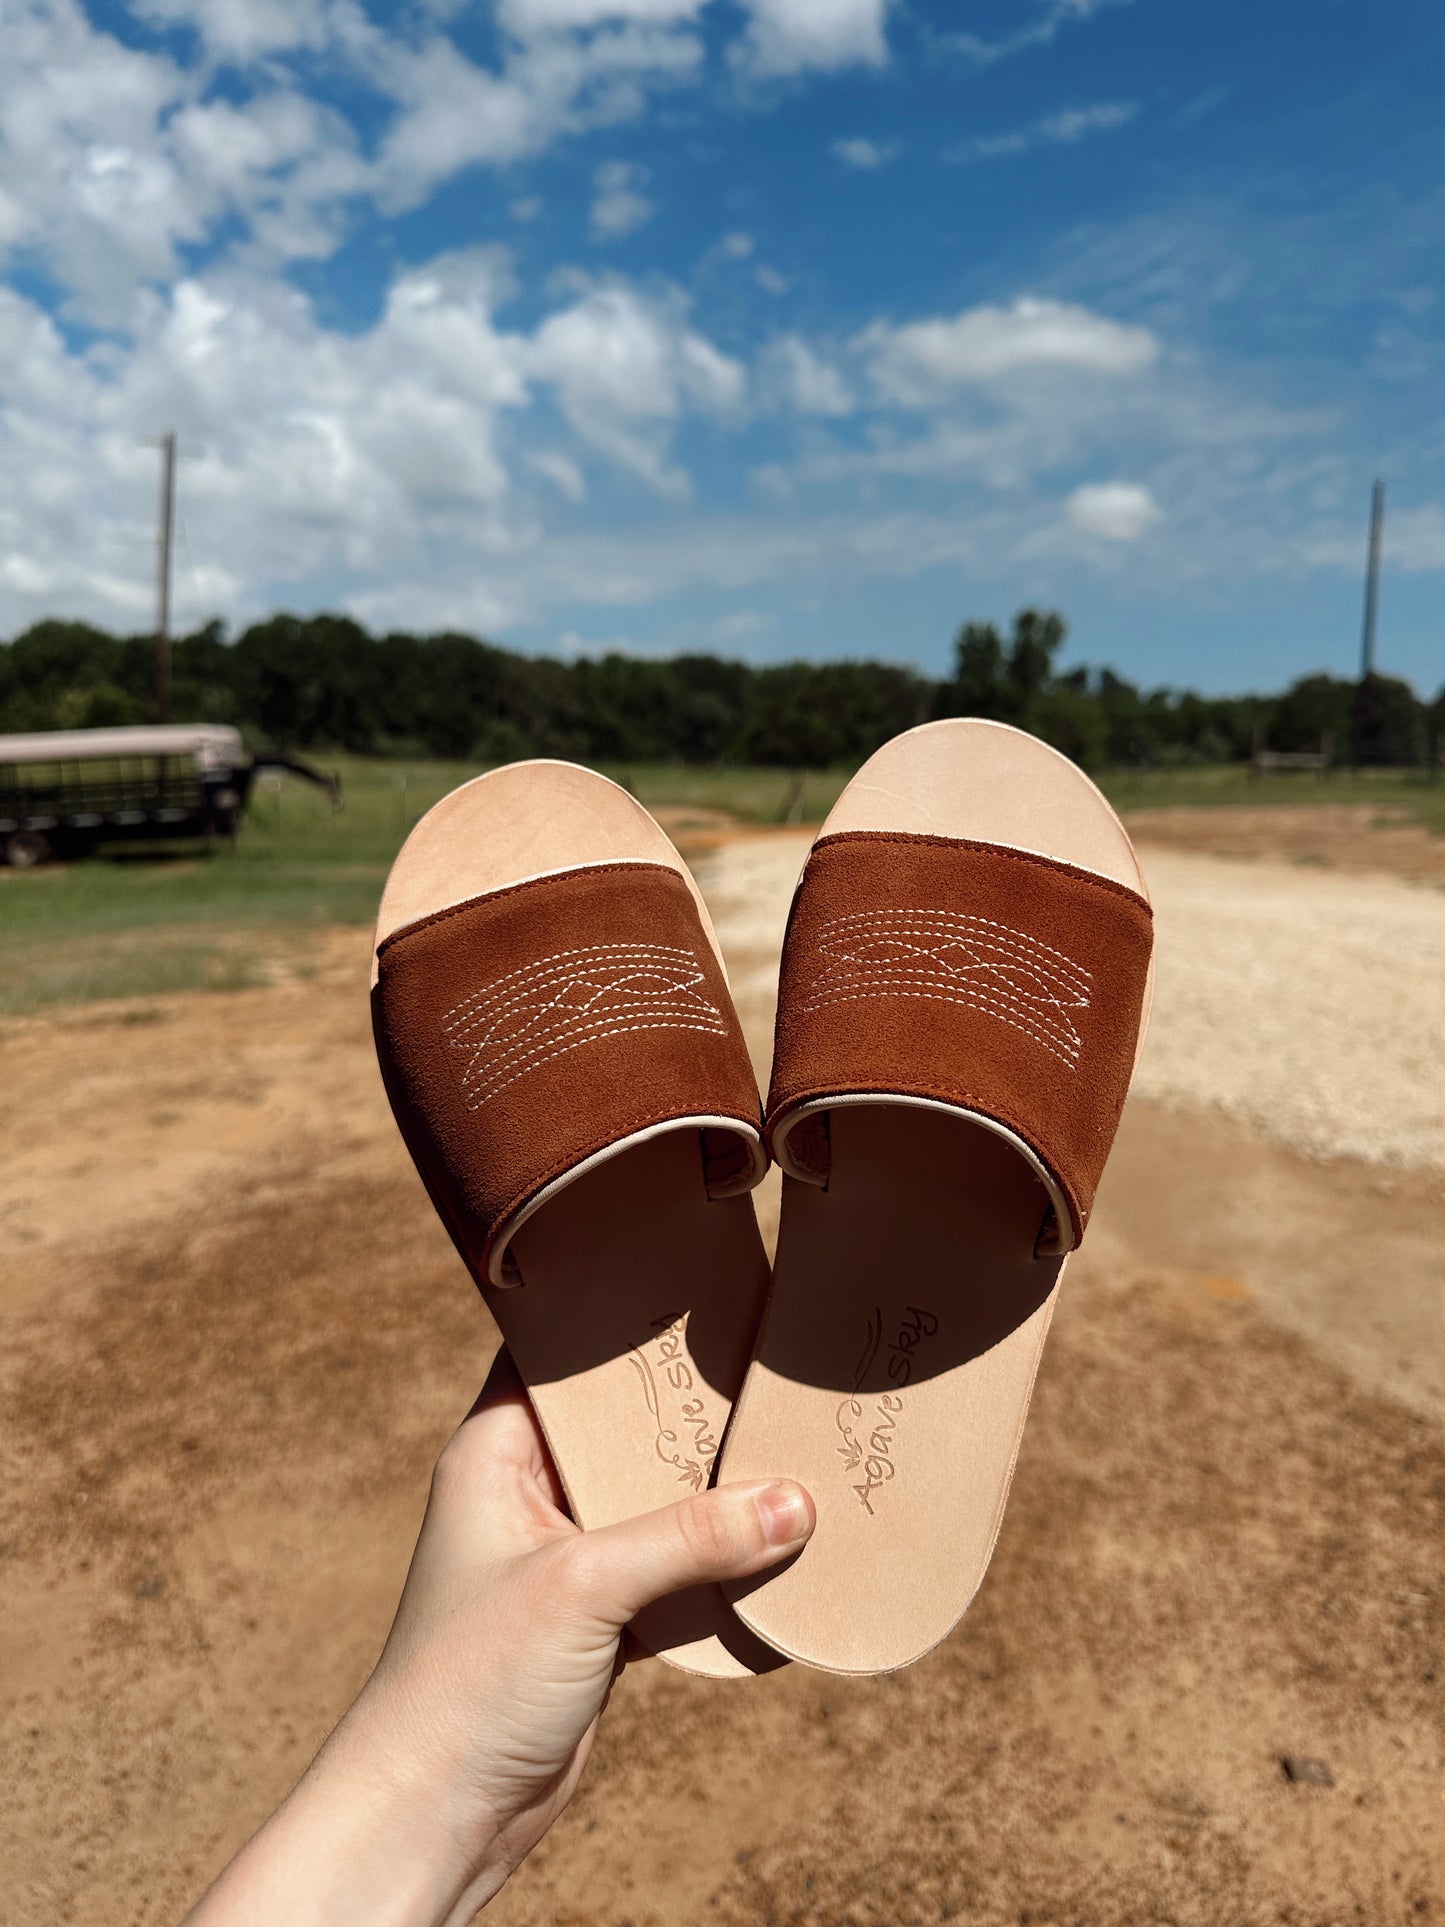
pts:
[525, 1032]
[966, 974]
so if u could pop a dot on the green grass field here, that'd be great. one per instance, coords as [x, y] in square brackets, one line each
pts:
[140, 925]
[1231, 785]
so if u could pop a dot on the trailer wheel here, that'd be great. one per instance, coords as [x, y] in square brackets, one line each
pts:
[25, 848]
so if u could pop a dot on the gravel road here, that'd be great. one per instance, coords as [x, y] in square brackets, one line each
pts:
[1305, 1004]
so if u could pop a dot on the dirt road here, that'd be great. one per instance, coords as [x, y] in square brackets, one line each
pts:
[233, 1338]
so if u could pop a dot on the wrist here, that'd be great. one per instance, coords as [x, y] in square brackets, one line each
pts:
[407, 1860]
[364, 1836]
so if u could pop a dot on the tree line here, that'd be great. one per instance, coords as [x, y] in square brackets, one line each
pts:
[324, 682]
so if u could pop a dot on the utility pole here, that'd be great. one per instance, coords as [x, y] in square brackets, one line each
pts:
[1371, 615]
[1372, 581]
[163, 576]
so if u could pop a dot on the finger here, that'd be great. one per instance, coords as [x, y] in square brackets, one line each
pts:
[502, 1389]
[508, 1427]
[724, 1534]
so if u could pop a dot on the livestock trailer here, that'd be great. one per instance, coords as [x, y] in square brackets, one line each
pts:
[64, 791]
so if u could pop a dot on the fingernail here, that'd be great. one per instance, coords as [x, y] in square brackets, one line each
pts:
[786, 1512]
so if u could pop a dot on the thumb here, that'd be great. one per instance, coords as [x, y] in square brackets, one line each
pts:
[727, 1533]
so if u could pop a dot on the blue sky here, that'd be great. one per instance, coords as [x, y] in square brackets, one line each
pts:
[772, 327]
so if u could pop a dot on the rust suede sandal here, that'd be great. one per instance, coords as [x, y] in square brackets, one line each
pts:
[564, 1061]
[964, 986]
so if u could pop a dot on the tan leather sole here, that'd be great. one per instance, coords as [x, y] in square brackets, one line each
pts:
[633, 1327]
[908, 1313]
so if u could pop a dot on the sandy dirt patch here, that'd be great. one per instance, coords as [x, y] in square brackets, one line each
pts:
[233, 1337]
[1308, 1006]
[1355, 837]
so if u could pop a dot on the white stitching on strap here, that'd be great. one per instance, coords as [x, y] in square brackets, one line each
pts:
[949, 957]
[523, 976]
[533, 1014]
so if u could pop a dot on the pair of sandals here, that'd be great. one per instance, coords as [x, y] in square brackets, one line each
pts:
[965, 983]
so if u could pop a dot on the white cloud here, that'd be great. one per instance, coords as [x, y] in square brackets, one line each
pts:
[806, 381]
[407, 473]
[456, 114]
[356, 464]
[774, 480]
[1053, 130]
[28, 578]
[472, 605]
[80, 119]
[441, 317]
[1074, 123]
[1415, 538]
[1201, 106]
[1114, 511]
[744, 624]
[243, 31]
[1056, 15]
[528, 18]
[724, 254]
[619, 207]
[128, 158]
[1414, 541]
[124, 163]
[914, 363]
[793, 36]
[864, 154]
[12, 219]
[288, 165]
[624, 367]
[562, 472]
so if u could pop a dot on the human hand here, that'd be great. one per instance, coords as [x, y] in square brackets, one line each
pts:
[472, 1733]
